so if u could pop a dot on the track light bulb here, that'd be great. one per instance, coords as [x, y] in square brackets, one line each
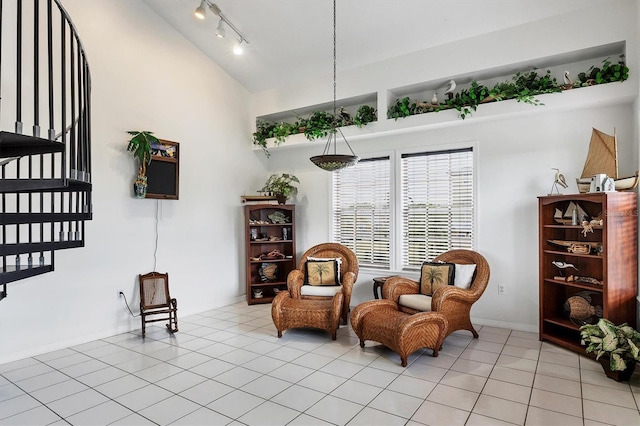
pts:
[220, 29]
[237, 48]
[201, 10]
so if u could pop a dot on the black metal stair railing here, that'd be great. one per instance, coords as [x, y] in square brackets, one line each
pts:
[45, 181]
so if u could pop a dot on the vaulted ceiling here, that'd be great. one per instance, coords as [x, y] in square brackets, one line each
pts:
[292, 40]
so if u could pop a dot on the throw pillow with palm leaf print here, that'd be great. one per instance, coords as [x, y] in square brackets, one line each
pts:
[434, 275]
[321, 272]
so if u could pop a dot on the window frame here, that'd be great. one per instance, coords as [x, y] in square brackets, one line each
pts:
[395, 194]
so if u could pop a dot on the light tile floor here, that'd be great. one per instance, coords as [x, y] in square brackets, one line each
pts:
[227, 367]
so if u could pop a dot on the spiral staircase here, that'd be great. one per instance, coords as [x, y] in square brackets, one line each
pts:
[45, 175]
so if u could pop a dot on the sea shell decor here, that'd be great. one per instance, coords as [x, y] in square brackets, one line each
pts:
[268, 272]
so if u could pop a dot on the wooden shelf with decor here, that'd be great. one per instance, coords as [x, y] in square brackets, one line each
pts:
[270, 249]
[607, 270]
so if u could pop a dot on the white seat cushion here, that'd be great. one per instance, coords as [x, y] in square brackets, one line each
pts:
[419, 302]
[320, 290]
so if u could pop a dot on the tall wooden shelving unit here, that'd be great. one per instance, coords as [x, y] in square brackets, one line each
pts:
[615, 265]
[262, 236]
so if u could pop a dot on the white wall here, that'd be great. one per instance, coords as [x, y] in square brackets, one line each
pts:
[516, 150]
[145, 77]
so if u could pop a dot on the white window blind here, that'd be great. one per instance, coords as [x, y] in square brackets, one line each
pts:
[361, 210]
[437, 204]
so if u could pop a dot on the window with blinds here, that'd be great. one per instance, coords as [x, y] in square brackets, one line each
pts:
[437, 204]
[361, 210]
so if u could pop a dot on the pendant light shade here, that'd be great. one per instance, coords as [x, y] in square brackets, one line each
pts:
[330, 160]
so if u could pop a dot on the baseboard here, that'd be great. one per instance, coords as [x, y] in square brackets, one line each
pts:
[502, 324]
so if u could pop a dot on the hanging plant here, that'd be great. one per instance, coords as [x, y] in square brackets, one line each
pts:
[263, 131]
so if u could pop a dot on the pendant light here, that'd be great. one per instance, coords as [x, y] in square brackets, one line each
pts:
[330, 160]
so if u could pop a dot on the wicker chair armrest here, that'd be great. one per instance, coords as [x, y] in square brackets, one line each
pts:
[348, 281]
[447, 295]
[395, 287]
[295, 279]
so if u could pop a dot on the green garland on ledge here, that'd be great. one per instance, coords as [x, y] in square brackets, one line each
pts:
[317, 125]
[522, 87]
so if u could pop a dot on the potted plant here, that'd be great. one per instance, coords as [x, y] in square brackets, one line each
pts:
[615, 346]
[281, 186]
[140, 147]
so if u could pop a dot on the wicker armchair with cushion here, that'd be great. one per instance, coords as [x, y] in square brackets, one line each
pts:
[453, 301]
[329, 276]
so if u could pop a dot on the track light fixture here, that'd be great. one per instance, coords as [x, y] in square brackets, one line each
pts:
[201, 12]
[220, 29]
[237, 48]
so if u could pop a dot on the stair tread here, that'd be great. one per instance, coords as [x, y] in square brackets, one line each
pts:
[12, 273]
[34, 247]
[43, 185]
[15, 144]
[35, 217]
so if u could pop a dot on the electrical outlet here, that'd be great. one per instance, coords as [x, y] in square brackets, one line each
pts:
[120, 294]
[501, 289]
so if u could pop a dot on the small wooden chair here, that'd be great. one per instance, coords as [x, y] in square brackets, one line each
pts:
[155, 300]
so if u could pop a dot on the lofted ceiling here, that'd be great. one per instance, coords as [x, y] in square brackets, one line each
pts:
[292, 40]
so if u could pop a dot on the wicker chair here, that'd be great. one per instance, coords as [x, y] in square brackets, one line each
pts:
[155, 301]
[348, 276]
[453, 302]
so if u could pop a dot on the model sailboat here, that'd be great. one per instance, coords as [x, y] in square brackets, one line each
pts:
[602, 158]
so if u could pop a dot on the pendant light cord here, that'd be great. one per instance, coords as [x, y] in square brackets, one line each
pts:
[335, 110]
[327, 161]
[334, 122]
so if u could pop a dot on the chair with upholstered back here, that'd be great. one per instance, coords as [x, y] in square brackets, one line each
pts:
[297, 281]
[155, 301]
[453, 301]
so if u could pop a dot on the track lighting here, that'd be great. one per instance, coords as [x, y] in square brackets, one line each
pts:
[201, 11]
[237, 48]
[220, 29]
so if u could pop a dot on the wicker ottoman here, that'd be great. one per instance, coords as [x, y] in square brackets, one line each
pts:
[297, 313]
[381, 321]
